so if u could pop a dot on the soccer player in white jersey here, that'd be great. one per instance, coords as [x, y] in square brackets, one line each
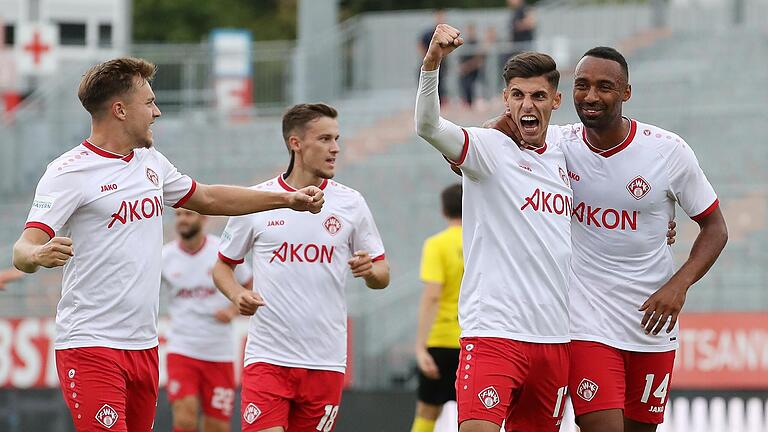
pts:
[97, 212]
[626, 178]
[296, 352]
[200, 340]
[513, 307]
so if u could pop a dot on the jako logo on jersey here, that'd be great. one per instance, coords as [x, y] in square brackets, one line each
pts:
[489, 397]
[252, 412]
[107, 416]
[610, 218]
[109, 187]
[573, 176]
[303, 253]
[133, 211]
[278, 222]
[152, 176]
[563, 176]
[638, 187]
[587, 390]
[332, 225]
[549, 202]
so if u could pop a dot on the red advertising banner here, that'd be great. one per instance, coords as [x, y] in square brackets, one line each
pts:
[722, 351]
[27, 355]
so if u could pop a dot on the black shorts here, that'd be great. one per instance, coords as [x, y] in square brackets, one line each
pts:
[442, 390]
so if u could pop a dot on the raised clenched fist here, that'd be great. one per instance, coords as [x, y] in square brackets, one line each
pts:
[445, 39]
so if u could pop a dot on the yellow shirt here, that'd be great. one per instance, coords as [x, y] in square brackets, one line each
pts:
[442, 262]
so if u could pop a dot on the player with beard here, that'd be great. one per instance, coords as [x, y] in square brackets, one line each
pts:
[200, 341]
[513, 308]
[296, 352]
[98, 212]
[627, 177]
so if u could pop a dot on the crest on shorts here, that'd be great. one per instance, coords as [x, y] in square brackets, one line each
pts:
[489, 397]
[587, 390]
[332, 225]
[638, 187]
[252, 412]
[152, 177]
[107, 416]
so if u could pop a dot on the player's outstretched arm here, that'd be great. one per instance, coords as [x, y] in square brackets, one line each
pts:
[221, 200]
[243, 298]
[445, 136]
[666, 303]
[375, 274]
[35, 249]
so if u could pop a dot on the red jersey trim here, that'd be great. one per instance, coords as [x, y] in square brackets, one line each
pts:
[539, 150]
[464, 150]
[42, 227]
[612, 151]
[107, 154]
[196, 251]
[186, 197]
[378, 258]
[289, 188]
[708, 211]
[230, 261]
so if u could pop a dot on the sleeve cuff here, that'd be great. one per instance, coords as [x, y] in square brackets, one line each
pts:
[464, 151]
[378, 258]
[707, 212]
[230, 261]
[186, 197]
[42, 227]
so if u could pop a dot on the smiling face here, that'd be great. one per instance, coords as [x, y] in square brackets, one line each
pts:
[140, 112]
[316, 146]
[600, 88]
[531, 102]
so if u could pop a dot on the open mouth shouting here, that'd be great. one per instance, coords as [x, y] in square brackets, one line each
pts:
[529, 125]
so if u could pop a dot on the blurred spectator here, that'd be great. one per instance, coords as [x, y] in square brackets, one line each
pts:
[424, 39]
[522, 26]
[470, 64]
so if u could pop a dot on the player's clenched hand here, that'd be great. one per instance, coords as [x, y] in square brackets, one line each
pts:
[247, 302]
[671, 233]
[427, 364]
[665, 304]
[309, 199]
[55, 253]
[506, 125]
[361, 264]
[445, 39]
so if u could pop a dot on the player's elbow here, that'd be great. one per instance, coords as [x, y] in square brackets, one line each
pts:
[425, 129]
[21, 259]
[379, 279]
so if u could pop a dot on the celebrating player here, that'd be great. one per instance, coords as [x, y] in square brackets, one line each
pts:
[513, 307]
[295, 355]
[437, 336]
[626, 178]
[97, 212]
[200, 340]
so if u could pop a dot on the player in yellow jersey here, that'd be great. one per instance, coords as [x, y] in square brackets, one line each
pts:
[437, 338]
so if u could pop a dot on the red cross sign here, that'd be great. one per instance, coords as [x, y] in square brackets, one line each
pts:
[37, 49]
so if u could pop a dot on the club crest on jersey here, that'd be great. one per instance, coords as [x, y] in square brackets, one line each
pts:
[587, 390]
[152, 177]
[332, 224]
[638, 187]
[252, 412]
[647, 132]
[563, 176]
[489, 397]
[107, 416]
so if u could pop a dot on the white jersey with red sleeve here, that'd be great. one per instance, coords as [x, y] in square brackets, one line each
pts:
[300, 268]
[517, 239]
[111, 207]
[194, 300]
[623, 200]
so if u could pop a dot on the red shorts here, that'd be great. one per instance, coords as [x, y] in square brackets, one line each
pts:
[109, 389]
[213, 383]
[295, 398]
[603, 377]
[522, 383]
